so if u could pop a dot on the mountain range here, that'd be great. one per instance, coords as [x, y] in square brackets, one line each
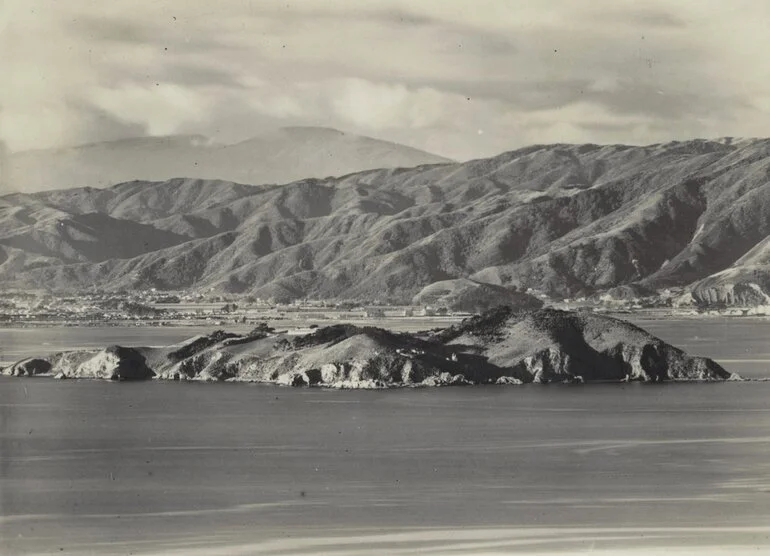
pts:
[567, 220]
[276, 156]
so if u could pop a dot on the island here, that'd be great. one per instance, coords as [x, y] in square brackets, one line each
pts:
[503, 345]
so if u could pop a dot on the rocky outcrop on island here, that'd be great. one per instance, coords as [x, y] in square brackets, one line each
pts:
[551, 345]
[501, 346]
[112, 363]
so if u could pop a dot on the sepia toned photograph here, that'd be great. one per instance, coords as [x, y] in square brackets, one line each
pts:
[384, 277]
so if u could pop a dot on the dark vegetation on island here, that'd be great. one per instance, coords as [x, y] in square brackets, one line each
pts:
[501, 346]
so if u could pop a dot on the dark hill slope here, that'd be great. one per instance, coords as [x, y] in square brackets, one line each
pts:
[565, 219]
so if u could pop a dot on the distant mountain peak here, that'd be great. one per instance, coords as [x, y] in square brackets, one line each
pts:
[312, 129]
[279, 156]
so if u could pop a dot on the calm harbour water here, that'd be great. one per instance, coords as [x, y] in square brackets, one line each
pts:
[91, 467]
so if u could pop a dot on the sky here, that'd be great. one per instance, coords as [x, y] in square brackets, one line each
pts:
[462, 79]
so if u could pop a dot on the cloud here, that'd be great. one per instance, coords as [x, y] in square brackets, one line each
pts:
[112, 29]
[381, 106]
[42, 79]
[161, 109]
[637, 17]
[432, 74]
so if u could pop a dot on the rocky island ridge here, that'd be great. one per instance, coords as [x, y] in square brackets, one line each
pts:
[501, 346]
